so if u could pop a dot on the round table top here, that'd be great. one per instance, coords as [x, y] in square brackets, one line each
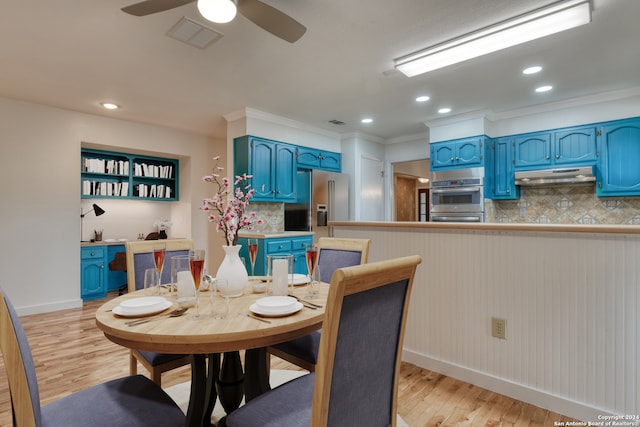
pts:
[205, 334]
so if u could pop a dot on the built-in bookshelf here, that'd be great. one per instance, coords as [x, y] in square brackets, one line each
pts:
[108, 174]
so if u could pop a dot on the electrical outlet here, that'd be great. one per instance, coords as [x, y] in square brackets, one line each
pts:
[499, 328]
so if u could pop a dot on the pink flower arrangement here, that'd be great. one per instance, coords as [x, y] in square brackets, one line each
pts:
[227, 208]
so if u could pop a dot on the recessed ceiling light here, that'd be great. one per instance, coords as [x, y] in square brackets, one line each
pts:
[110, 105]
[532, 70]
[423, 98]
[544, 88]
[444, 110]
[367, 120]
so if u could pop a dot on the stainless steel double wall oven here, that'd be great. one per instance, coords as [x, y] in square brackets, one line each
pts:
[457, 195]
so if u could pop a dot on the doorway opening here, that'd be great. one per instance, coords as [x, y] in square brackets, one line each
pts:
[411, 190]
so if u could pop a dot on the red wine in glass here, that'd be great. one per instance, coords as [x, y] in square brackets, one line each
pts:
[253, 251]
[158, 258]
[196, 271]
[311, 256]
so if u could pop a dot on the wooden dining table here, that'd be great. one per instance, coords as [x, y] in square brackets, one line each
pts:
[207, 338]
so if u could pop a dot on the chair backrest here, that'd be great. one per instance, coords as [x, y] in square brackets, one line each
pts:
[18, 362]
[337, 253]
[140, 257]
[361, 344]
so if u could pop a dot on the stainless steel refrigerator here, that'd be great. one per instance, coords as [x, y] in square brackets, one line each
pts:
[322, 197]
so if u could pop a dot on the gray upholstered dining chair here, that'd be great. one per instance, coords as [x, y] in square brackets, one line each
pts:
[126, 402]
[333, 253]
[139, 258]
[356, 378]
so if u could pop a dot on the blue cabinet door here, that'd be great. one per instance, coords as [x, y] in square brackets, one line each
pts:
[263, 155]
[469, 152]
[575, 145]
[318, 159]
[331, 161]
[93, 272]
[442, 155]
[618, 173]
[533, 149]
[502, 175]
[285, 173]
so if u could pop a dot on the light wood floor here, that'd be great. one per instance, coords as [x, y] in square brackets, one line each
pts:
[71, 353]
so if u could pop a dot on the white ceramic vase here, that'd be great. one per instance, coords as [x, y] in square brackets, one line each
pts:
[233, 271]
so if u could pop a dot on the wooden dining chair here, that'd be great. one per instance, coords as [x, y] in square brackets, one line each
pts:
[356, 378]
[131, 401]
[333, 253]
[139, 258]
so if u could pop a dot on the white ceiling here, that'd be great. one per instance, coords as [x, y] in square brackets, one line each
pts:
[74, 54]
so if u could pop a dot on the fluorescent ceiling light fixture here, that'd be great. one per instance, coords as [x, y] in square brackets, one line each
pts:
[532, 70]
[218, 11]
[110, 105]
[444, 110]
[367, 120]
[557, 17]
[423, 98]
[544, 89]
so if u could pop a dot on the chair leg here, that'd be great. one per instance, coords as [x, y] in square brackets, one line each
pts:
[156, 376]
[133, 364]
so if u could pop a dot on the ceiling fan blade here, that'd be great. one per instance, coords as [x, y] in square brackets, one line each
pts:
[271, 19]
[149, 7]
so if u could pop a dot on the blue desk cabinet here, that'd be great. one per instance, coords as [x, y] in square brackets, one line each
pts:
[272, 165]
[618, 172]
[500, 179]
[113, 175]
[93, 272]
[459, 153]
[277, 246]
[318, 159]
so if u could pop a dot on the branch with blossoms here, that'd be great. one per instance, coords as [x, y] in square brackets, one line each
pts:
[228, 207]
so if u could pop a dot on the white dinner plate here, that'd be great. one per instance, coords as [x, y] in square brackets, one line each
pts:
[142, 304]
[276, 304]
[296, 308]
[163, 307]
[299, 279]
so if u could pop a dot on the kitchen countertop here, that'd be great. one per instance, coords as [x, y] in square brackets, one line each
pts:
[494, 226]
[254, 235]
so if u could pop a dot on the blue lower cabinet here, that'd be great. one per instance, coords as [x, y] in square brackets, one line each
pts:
[276, 246]
[93, 272]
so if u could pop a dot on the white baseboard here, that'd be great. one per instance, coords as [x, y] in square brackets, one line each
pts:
[558, 404]
[46, 308]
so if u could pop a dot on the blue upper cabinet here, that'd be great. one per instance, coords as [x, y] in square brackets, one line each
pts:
[576, 146]
[272, 164]
[618, 173]
[318, 159]
[533, 150]
[459, 153]
[500, 173]
[569, 146]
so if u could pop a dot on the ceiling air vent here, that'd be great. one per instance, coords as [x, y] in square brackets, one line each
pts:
[194, 33]
[337, 122]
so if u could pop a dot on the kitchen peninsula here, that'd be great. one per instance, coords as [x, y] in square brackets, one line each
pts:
[569, 295]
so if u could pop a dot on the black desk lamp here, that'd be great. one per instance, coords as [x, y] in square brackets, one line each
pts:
[96, 209]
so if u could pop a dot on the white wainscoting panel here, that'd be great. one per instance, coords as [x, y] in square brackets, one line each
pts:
[571, 303]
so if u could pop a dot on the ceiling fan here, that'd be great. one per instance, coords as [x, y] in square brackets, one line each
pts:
[266, 17]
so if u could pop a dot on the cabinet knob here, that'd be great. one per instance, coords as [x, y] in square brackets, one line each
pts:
[547, 157]
[93, 254]
[508, 191]
[280, 247]
[557, 156]
[102, 266]
[457, 158]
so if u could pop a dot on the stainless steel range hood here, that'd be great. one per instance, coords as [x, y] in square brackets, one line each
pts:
[555, 176]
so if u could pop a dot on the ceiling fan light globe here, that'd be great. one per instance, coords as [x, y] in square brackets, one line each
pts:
[218, 11]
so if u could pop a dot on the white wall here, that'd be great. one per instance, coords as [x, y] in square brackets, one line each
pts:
[40, 193]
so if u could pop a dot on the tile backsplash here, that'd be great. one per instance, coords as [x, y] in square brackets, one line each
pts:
[572, 204]
[272, 214]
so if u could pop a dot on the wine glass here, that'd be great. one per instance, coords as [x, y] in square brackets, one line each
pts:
[158, 259]
[196, 264]
[252, 245]
[150, 281]
[311, 255]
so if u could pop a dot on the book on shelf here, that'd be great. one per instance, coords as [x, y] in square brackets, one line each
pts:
[106, 166]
